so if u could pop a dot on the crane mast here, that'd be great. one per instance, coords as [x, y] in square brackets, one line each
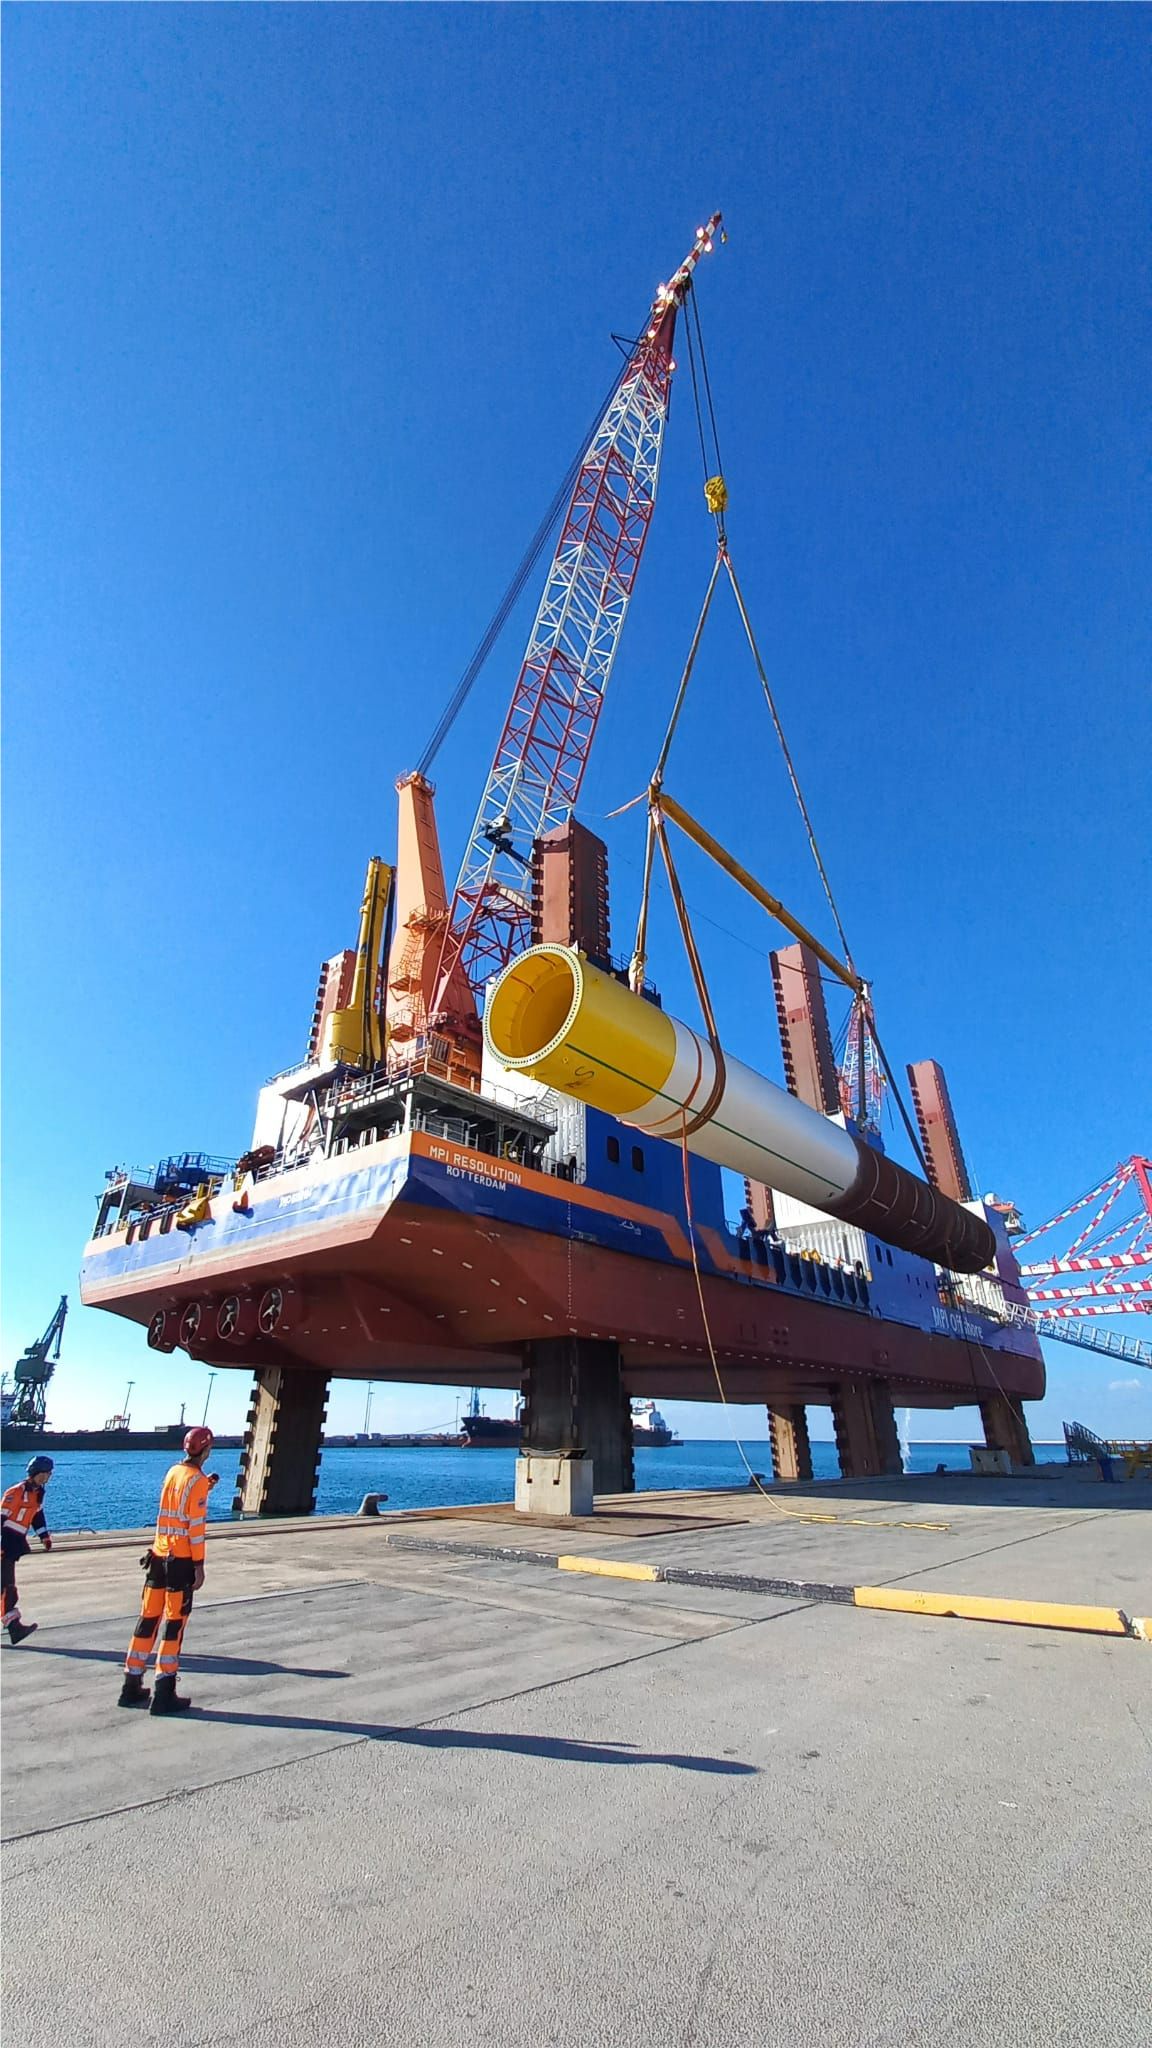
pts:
[543, 749]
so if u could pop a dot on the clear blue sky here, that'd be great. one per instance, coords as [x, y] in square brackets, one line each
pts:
[306, 308]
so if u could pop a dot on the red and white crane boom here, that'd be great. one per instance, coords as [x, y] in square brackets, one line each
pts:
[543, 749]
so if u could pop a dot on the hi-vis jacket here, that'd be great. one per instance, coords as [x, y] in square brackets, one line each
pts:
[183, 1515]
[21, 1509]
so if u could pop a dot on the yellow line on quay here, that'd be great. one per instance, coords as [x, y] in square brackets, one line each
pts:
[609, 1568]
[1099, 1621]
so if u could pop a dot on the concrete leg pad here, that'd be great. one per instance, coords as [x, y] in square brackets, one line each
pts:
[547, 1485]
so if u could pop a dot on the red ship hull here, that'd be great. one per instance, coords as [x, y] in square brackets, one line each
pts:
[442, 1283]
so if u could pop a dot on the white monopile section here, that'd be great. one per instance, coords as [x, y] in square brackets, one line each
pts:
[756, 1128]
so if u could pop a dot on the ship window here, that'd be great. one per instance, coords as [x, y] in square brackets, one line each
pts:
[614, 1151]
[637, 1159]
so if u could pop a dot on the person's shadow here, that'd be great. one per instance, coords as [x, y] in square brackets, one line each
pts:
[559, 1748]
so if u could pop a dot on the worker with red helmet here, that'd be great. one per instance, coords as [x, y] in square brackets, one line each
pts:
[173, 1572]
[21, 1510]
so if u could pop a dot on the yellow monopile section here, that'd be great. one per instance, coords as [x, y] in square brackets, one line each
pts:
[555, 1017]
[550, 1014]
[577, 1030]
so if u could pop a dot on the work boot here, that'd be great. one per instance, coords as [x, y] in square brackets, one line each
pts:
[133, 1692]
[166, 1699]
[17, 1630]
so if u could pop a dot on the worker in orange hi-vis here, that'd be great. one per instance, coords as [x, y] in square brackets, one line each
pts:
[21, 1510]
[173, 1572]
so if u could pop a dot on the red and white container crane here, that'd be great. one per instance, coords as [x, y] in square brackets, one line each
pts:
[1105, 1269]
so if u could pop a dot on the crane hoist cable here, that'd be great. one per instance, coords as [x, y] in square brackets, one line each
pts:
[738, 873]
[790, 765]
[701, 985]
[658, 797]
[696, 395]
[694, 314]
[716, 498]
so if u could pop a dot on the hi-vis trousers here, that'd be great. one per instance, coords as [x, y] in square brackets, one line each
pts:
[167, 1593]
[9, 1595]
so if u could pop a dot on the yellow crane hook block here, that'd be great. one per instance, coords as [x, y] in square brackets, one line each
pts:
[716, 495]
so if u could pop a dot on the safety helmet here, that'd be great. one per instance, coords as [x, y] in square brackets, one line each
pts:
[40, 1464]
[198, 1442]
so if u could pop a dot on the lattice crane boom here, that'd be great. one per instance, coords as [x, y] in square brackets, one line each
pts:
[861, 1071]
[543, 749]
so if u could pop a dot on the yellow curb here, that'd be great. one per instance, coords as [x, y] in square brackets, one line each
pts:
[1142, 1627]
[608, 1567]
[1106, 1621]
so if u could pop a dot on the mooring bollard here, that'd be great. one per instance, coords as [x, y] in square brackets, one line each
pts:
[370, 1505]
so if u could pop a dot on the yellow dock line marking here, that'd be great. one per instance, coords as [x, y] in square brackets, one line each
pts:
[1097, 1621]
[884, 1598]
[610, 1568]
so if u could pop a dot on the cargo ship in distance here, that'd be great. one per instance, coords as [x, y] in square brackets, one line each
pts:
[480, 1431]
[116, 1435]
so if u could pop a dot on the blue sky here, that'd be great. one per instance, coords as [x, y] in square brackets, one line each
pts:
[306, 308]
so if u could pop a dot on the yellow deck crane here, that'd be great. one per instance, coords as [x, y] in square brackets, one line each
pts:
[354, 1036]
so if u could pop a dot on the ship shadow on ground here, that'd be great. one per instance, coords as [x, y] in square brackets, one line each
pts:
[557, 1748]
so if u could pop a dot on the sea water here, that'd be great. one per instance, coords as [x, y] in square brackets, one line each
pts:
[93, 1490]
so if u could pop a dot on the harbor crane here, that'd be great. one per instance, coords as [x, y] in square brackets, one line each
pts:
[33, 1371]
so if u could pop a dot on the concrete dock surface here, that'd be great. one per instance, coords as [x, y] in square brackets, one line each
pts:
[435, 1792]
